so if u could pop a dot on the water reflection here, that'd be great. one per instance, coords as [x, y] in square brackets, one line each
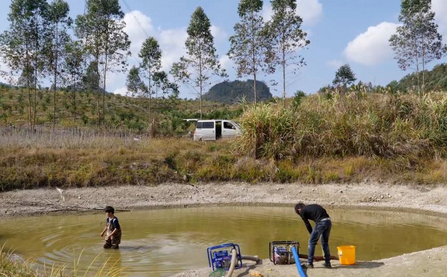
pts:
[162, 242]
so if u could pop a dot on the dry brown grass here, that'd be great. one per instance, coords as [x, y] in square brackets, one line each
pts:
[348, 138]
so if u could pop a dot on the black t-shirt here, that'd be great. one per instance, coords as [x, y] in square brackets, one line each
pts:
[313, 212]
[113, 223]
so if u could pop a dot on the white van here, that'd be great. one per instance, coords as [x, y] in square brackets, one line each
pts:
[214, 129]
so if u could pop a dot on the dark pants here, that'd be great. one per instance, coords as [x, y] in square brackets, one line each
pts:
[322, 229]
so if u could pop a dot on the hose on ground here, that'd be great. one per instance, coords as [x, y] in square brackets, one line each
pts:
[252, 258]
[298, 263]
[233, 263]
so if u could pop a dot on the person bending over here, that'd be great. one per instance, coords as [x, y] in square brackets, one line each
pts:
[322, 229]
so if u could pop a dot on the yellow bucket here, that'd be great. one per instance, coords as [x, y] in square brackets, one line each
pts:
[346, 254]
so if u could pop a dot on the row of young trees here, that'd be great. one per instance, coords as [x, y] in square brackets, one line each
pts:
[256, 47]
[44, 43]
[259, 46]
[38, 45]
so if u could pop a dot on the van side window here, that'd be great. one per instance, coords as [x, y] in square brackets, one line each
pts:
[228, 125]
[208, 125]
[199, 125]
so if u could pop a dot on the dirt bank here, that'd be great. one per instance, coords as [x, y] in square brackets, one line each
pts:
[424, 199]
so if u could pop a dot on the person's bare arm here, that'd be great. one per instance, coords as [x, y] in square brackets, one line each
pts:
[114, 231]
[103, 231]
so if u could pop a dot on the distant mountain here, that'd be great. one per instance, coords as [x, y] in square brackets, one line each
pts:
[4, 85]
[435, 79]
[231, 92]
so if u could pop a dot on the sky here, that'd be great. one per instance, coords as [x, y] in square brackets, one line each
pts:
[340, 31]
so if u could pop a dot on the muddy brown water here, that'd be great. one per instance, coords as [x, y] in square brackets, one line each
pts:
[164, 242]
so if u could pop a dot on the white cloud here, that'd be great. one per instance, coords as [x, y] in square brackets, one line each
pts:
[310, 11]
[267, 12]
[226, 62]
[218, 33]
[440, 9]
[138, 27]
[121, 91]
[335, 64]
[372, 46]
[172, 42]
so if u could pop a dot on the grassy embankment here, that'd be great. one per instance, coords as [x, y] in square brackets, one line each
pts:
[343, 138]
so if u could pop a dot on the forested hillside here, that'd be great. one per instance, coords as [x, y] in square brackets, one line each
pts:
[233, 92]
[435, 79]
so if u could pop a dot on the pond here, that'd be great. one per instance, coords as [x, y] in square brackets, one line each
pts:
[164, 242]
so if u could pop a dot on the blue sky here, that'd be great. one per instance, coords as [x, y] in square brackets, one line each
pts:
[340, 31]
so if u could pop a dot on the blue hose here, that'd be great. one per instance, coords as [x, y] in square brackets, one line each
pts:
[298, 263]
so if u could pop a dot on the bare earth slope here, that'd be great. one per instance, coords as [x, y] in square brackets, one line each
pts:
[422, 199]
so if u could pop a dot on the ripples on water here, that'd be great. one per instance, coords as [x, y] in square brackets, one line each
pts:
[163, 242]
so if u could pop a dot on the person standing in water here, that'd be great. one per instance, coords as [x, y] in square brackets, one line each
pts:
[322, 229]
[113, 229]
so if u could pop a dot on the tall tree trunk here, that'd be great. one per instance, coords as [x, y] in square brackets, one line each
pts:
[423, 66]
[98, 97]
[254, 61]
[29, 103]
[28, 86]
[284, 78]
[200, 81]
[35, 101]
[104, 92]
[105, 69]
[54, 101]
[74, 96]
[149, 89]
[55, 79]
[417, 65]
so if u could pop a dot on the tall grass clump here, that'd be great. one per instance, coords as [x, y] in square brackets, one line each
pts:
[12, 265]
[268, 131]
[354, 124]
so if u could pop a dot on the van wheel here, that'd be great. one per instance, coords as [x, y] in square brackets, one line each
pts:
[200, 139]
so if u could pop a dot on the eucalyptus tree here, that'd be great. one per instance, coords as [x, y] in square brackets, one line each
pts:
[57, 39]
[90, 82]
[134, 83]
[166, 87]
[26, 77]
[101, 29]
[249, 44]
[22, 45]
[73, 69]
[417, 41]
[150, 55]
[201, 62]
[286, 38]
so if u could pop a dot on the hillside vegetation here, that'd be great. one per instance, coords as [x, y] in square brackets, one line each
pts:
[123, 113]
[317, 139]
[435, 80]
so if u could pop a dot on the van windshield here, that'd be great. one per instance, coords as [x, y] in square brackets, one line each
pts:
[235, 124]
